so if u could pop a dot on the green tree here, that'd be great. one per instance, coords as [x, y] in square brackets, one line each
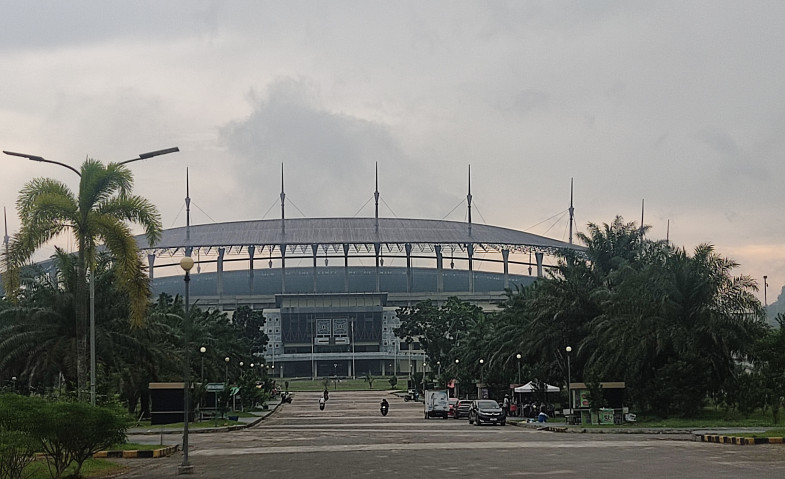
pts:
[98, 214]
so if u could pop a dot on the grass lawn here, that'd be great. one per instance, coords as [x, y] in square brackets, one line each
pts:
[708, 417]
[90, 468]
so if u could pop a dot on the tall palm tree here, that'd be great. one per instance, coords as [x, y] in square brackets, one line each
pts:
[97, 215]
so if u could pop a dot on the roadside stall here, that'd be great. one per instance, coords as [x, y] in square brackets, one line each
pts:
[613, 410]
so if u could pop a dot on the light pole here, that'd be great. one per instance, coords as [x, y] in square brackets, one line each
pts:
[335, 375]
[482, 379]
[142, 156]
[518, 357]
[569, 390]
[226, 370]
[439, 372]
[13, 383]
[186, 264]
[765, 285]
[202, 350]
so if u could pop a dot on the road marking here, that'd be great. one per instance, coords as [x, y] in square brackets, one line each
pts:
[440, 446]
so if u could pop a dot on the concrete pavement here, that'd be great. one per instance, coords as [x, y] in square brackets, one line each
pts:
[350, 438]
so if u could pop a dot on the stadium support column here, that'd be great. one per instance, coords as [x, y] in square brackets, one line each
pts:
[408, 248]
[506, 260]
[151, 266]
[251, 251]
[346, 267]
[314, 251]
[470, 254]
[221, 252]
[283, 269]
[539, 256]
[377, 249]
[439, 269]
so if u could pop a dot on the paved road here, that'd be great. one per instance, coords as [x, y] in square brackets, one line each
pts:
[351, 439]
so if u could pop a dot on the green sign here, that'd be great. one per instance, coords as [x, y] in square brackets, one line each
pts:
[215, 387]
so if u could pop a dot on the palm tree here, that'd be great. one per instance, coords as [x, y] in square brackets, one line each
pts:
[98, 214]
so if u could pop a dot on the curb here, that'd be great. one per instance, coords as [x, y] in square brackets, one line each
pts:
[207, 430]
[143, 454]
[740, 441]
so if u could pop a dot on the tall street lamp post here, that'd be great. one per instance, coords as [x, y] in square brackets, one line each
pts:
[226, 370]
[569, 390]
[186, 264]
[202, 350]
[482, 380]
[518, 357]
[142, 156]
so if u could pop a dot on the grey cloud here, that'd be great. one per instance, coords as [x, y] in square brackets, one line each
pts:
[329, 157]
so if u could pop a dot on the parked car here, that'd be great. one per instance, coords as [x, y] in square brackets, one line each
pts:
[453, 402]
[462, 408]
[486, 411]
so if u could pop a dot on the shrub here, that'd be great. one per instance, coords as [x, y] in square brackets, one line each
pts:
[17, 450]
[72, 432]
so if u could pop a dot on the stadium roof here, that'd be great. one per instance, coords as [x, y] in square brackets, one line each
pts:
[359, 233]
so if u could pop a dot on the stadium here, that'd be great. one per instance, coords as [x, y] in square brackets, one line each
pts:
[329, 288]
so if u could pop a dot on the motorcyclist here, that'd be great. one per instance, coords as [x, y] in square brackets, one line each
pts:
[384, 403]
[326, 394]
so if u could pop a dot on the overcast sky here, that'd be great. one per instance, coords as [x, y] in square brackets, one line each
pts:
[678, 103]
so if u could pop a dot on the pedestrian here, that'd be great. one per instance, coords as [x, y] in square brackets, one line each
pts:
[506, 404]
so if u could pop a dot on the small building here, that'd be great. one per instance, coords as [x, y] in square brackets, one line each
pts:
[612, 412]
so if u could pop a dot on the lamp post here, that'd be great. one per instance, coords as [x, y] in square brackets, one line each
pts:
[482, 379]
[13, 383]
[439, 372]
[142, 156]
[226, 370]
[518, 357]
[335, 375]
[765, 285]
[202, 350]
[569, 390]
[186, 264]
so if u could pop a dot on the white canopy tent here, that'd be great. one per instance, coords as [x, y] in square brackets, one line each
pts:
[531, 387]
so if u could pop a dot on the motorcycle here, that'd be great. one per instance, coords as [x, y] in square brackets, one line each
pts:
[321, 405]
[384, 408]
[410, 396]
[287, 398]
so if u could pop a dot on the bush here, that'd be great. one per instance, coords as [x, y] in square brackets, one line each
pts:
[17, 450]
[72, 432]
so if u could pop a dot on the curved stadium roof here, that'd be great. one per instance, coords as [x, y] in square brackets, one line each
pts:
[359, 233]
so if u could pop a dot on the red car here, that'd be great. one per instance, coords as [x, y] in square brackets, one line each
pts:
[453, 402]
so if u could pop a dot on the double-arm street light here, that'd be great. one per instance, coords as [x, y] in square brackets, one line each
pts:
[142, 156]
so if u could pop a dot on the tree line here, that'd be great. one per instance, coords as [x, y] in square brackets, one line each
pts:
[680, 329]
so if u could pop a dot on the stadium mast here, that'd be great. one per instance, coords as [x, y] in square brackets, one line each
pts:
[572, 213]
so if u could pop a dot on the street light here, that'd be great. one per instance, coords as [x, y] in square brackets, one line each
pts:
[13, 382]
[202, 350]
[482, 379]
[569, 390]
[765, 285]
[142, 156]
[226, 369]
[186, 264]
[518, 357]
